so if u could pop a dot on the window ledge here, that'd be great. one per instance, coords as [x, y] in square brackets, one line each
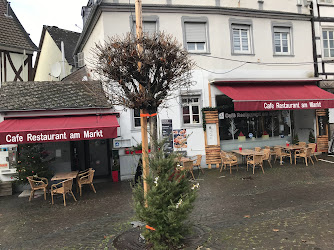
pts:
[134, 130]
[287, 55]
[242, 54]
[197, 125]
[199, 53]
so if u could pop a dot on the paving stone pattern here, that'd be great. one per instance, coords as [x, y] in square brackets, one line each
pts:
[288, 207]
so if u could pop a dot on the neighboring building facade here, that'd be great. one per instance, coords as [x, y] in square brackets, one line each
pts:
[73, 119]
[233, 43]
[51, 63]
[16, 47]
[323, 12]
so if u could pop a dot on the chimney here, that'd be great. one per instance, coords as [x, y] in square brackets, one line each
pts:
[8, 10]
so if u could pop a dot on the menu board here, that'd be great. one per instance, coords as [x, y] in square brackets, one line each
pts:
[180, 139]
[167, 129]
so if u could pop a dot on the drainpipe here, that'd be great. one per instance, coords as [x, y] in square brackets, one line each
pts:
[314, 46]
[62, 58]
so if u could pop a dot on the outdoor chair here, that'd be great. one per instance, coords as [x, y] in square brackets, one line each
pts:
[86, 178]
[188, 166]
[304, 153]
[197, 163]
[255, 160]
[302, 144]
[267, 156]
[63, 188]
[37, 183]
[257, 149]
[279, 153]
[313, 146]
[228, 160]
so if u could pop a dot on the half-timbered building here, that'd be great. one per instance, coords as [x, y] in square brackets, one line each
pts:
[16, 47]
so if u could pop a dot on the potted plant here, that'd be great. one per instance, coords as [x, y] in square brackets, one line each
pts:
[295, 139]
[265, 135]
[241, 137]
[115, 168]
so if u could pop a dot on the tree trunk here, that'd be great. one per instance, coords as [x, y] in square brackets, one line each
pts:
[153, 134]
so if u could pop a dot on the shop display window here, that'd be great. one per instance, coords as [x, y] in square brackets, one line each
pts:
[244, 125]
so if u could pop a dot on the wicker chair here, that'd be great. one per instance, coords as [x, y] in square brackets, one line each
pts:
[255, 160]
[63, 188]
[313, 146]
[197, 163]
[228, 160]
[304, 153]
[86, 177]
[188, 166]
[257, 149]
[267, 156]
[302, 144]
[282, 154]
[37, 184]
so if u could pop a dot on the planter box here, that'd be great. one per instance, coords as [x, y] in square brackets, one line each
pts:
[128, 152]
[241, 138]
[6, 188]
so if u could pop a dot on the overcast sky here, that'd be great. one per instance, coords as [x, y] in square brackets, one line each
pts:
[33, 14]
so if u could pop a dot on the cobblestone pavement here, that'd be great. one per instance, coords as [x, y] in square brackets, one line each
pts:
[288, 207]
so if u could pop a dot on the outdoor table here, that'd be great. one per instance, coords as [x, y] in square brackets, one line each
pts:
[246, 152]
[65, 175]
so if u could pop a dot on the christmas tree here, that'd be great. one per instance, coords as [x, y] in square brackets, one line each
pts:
[169, 201]
[32, 162]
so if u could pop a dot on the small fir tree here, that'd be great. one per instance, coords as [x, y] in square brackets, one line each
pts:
[311, 137]
[32, 162]
[169, 200]
[295, 139]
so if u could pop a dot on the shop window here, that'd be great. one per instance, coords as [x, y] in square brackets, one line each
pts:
[328, 42]
[191, 109]
[234, 125]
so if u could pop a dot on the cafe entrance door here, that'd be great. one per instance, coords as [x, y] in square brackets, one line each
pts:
[91, 154]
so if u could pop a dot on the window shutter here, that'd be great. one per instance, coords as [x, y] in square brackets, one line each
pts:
[240, 27]
[282, 29]
[150, 27]
[195, 32]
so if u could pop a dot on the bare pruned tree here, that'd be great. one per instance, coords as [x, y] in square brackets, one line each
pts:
[164, 68]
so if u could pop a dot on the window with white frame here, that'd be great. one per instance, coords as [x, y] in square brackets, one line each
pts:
[328, 42]
[81, 59]
[196, 36]
[191, 109]
[136, 118]
[282, 42]
[241, 39]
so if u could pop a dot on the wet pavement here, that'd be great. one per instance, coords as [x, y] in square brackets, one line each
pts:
[287, 207]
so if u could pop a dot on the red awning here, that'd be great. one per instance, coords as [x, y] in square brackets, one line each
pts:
[54, 129]
[252, 96]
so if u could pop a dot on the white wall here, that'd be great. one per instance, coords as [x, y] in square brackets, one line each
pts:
[50, 55]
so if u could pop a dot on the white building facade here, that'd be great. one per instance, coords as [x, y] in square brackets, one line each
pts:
[266, 43]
